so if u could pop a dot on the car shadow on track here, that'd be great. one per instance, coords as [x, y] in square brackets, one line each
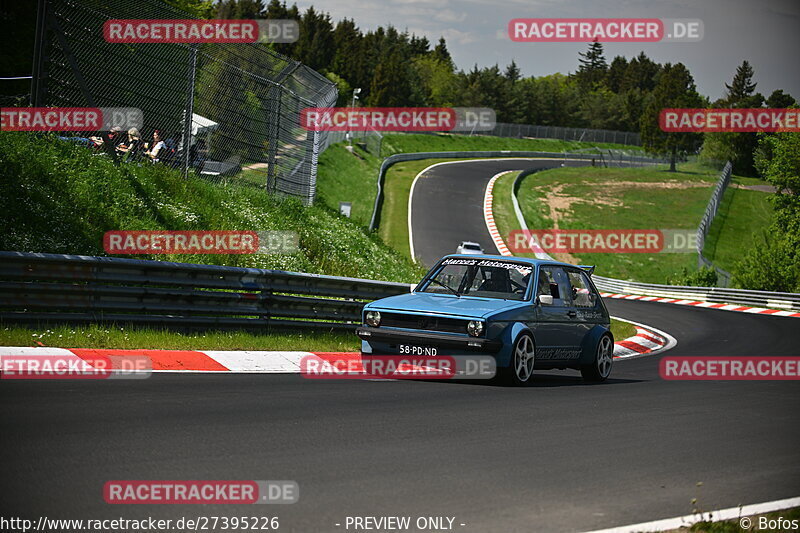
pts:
[541, 380]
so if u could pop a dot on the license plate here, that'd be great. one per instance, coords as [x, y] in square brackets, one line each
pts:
[413, 349]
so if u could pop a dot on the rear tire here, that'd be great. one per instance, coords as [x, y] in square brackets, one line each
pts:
[600, 368]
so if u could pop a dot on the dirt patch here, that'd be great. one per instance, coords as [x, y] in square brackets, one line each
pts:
[559, 203]
[762, 188]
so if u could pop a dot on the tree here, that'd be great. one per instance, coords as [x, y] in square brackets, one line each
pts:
[741, 87]
[616, 74]
[441, 53]
[738, 147]
[390, 86]
[774, 264]
[780, 100]
[675, 88]
[593, 67]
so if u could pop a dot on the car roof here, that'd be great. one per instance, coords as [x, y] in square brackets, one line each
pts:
[527, 260]
[469, 242]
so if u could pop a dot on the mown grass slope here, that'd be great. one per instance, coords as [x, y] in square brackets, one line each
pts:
[58, 197]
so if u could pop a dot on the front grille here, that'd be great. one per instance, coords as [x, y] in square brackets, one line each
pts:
[431, 323]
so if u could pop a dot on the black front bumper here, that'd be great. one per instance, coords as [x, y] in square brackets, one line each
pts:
[394, 336]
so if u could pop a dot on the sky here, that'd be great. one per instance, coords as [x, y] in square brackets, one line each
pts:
[764, 32]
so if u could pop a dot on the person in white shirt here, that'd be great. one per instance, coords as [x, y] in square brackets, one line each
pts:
[158, 146]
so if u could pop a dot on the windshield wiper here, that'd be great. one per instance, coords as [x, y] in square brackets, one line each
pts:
[446, 286]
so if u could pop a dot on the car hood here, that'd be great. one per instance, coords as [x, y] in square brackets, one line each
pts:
[445, 304]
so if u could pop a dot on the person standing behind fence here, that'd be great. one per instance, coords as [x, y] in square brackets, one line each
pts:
[154, 152]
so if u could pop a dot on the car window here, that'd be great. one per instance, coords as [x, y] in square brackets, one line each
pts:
[583, 294]
[472, 247]
[481, 277]
[553, 281]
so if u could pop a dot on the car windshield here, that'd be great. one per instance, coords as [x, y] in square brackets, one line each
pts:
[472, 247]
[488, 278]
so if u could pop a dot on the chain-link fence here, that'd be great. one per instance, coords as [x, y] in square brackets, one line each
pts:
[225, 111]
[370, 140]
[520, 131]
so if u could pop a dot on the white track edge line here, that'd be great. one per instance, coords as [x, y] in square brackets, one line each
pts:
[688, 520]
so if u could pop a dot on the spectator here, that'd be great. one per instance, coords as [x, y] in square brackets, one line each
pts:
[132, 148]
[155, 152]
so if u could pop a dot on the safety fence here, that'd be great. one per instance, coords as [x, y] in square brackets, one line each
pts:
[228, 111]
[708, 217]
[52, 288]
[521, 131]
[371, 141]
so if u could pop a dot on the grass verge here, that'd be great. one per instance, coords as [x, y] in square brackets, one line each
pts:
[608, 198]
[741, 221]
[114, 337]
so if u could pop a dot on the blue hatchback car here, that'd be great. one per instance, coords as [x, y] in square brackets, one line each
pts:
[526, 313]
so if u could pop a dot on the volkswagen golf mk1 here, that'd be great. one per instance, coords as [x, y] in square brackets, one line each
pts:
[528, 314]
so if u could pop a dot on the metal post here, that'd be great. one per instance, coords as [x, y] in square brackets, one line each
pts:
[189, 112]
[37, 81]
[274, 98]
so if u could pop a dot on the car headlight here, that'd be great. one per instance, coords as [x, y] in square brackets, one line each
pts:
[475, 328]
[373, 319]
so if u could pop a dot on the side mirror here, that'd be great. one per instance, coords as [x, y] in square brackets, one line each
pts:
[545, 299]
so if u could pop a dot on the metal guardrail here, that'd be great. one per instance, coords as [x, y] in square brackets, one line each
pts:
[775, 300]
[416, 156]
[58, 288]
[708, 217]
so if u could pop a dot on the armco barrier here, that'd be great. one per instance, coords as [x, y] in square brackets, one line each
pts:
[79, 289]
[772, 300]
[417, 156]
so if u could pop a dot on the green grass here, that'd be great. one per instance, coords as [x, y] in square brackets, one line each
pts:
[57, 197]
[740, 223]
[591, 200]
[345, 177]
[445, 142]
[622, 330]
[733, 526]
[133, 338]
[112, 337]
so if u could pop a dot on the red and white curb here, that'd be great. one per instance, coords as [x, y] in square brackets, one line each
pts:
[707, 305]
[488, 216]
[646, 341]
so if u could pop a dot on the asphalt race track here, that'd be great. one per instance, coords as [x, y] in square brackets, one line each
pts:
[557, 456]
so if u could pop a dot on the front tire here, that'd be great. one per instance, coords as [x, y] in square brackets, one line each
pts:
[523, 357]
[600, 368]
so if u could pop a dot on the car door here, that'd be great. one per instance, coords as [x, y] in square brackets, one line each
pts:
[556, 335]
[585, 300]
